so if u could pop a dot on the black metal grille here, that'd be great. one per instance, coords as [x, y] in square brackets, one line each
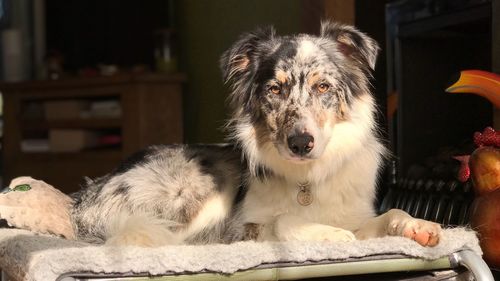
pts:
[447, 203]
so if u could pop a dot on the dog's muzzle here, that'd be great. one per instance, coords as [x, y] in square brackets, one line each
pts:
[300, 144]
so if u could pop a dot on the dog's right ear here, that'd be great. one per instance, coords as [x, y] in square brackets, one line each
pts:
[241, 57]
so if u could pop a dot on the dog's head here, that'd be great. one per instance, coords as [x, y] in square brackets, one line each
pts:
[288, 92]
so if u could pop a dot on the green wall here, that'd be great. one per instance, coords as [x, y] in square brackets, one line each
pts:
[205, 30]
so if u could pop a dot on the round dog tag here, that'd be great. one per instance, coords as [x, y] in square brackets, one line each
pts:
[304, 196]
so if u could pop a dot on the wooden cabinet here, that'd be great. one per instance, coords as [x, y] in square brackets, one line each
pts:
[149, 112]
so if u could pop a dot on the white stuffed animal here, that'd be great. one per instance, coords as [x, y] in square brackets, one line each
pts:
[37, 206]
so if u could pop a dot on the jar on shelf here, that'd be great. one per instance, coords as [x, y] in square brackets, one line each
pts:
[164, 51]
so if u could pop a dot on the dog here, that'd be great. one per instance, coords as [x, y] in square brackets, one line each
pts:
[302, 163]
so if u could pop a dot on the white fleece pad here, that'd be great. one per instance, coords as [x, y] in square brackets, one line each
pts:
[25, 256]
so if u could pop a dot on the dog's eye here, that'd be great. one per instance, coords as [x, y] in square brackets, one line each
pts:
[275, 89]
[323, 87]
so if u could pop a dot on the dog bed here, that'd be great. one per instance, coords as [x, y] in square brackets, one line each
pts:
[27, 256]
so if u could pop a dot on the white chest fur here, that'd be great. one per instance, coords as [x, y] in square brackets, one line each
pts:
[333, 205]
[343, 200]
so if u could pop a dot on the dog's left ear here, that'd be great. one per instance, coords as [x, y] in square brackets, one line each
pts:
[351, 42]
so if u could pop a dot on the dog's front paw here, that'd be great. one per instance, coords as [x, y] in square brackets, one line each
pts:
[424, 232]
[321, 232]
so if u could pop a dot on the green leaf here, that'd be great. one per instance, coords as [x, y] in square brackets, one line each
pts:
[22, 187]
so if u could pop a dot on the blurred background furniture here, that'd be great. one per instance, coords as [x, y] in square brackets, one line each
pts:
[428, 44]
[60, 131]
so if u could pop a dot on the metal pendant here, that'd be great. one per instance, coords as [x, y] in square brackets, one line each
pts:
[304, 196]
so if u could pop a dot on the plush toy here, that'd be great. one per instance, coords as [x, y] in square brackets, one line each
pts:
[37, 206]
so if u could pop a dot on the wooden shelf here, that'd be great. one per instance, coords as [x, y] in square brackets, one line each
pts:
[90, 123]
[151, 107]
[95, 154]
[91, 82]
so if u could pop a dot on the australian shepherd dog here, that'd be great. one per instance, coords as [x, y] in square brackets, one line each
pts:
[302, 164]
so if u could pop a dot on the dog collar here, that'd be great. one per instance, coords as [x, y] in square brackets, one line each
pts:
[304, 196]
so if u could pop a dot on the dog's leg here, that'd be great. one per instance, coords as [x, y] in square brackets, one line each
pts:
[398, 223]
[140, 230]
[289, 227]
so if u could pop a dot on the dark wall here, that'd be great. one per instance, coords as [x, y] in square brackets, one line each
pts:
[370, 18]
[207, 28]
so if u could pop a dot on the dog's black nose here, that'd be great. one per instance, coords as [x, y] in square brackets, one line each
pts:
[301, 144]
